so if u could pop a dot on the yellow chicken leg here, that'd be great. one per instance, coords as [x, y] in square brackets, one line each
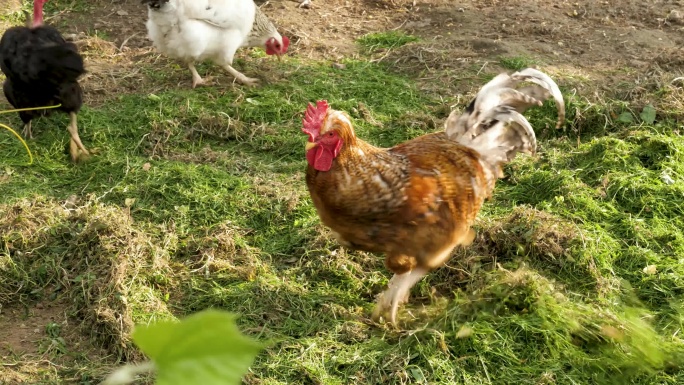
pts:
[76, 147]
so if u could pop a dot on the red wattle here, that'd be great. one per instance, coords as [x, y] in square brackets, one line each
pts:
[320, 158]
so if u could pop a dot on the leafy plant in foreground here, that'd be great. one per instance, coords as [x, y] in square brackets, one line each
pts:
[205, 348]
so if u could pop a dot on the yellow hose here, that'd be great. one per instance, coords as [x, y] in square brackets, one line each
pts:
[19, 136]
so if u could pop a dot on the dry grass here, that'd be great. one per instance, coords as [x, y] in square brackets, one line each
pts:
[91, 253]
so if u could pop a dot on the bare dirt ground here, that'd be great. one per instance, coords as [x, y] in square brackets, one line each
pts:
[30, 338]
[605, 44]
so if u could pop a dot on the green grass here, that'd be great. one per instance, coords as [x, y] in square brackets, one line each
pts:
[18, 16]
[385, 40]
[517, 63]
[553, 291]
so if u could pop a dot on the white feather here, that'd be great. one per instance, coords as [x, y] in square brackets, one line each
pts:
[196, 30]
[493, 124]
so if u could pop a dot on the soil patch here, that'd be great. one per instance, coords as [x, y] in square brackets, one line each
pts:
[602, 43]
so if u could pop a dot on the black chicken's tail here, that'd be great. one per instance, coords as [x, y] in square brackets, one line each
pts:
[57, 64]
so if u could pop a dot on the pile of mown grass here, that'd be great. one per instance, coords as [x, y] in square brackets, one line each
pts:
[90, 253]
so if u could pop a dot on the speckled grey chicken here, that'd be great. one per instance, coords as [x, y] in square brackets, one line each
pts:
[416, 201]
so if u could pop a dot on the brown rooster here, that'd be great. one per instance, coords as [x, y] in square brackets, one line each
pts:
[416, 201]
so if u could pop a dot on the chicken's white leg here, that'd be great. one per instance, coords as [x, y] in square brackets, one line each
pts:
[27, 130]
[75, 145]
[240, 77]
[196, 78]
[232, 41]
[397, 293]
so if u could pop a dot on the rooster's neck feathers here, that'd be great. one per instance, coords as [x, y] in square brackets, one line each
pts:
[340, 122]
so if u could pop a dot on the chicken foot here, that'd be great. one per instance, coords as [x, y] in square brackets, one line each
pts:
[196, 78]
[240, 77]
[396, 294]
[75, 145]
[27, 130]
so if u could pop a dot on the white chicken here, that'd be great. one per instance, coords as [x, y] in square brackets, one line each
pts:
[197, 30]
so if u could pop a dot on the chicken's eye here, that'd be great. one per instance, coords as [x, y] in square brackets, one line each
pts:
[330, 134]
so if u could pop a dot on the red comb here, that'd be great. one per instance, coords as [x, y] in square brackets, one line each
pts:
[313, 118]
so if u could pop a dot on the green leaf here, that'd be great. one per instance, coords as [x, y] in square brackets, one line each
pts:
[626, 117]
[648, 114]
[417, 374]
[204, 349]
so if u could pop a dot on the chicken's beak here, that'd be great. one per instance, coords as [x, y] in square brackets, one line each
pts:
[310, 145]
[280, 59]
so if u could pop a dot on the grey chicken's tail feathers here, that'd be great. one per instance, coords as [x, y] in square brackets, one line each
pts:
[493, 123]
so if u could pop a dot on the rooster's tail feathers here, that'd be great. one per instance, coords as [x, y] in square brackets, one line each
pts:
[493, 123]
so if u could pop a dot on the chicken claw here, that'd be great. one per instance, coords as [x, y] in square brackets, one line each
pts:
[76, 147]
[240, 77]
[197, 82]
[196, 78]
[396, 294]
[27, 130]
[248, 81]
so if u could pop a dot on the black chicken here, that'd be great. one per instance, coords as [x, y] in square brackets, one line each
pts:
[42, 69]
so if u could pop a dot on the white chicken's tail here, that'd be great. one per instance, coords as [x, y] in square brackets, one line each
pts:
[493, 123]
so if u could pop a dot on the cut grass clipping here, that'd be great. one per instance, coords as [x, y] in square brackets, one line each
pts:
[196, 199]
